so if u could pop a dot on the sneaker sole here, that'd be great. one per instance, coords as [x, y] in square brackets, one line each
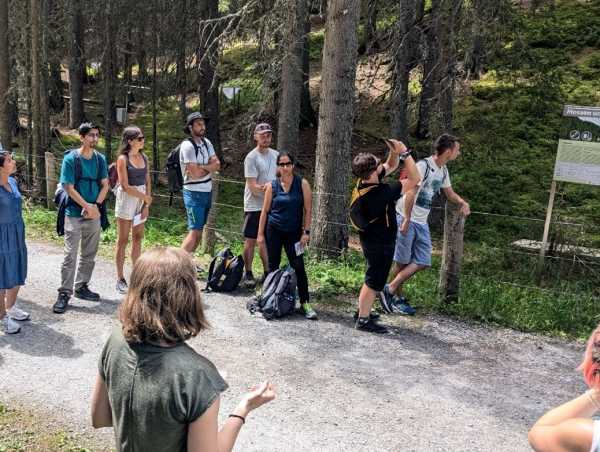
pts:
[12, 332]
[21, 320]
[86, 298]
[384, 303]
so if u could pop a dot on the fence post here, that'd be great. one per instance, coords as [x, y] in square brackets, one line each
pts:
[452, 253]
[50, 178]
[209, 237]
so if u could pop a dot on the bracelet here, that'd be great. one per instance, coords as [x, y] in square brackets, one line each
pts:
[239, 417]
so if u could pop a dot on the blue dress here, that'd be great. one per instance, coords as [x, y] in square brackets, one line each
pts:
[13, 252]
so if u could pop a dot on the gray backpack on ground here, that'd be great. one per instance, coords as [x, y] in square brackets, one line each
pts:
[278, 296]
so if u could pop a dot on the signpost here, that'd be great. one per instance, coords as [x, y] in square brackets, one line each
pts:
[577, 159]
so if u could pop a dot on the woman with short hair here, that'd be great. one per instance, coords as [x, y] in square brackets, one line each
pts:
[155, 390]
[13, 252]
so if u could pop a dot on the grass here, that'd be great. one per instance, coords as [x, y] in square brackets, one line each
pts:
[27, 431]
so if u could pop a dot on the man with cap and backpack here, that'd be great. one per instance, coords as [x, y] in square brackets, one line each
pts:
[198, 161]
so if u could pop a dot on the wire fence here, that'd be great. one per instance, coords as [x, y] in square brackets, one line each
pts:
[572, 261]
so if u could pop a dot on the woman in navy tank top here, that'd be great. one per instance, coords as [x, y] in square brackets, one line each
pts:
[285, 221]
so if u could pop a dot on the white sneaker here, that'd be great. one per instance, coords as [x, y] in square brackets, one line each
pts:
[9, 325]
[18, 314]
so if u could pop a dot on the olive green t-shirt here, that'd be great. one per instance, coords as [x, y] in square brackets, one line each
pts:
[155, 392]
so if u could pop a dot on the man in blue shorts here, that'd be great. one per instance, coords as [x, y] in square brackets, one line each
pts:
[413, 243]
[198, 162]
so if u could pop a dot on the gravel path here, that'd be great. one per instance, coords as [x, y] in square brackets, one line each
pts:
[435, 384]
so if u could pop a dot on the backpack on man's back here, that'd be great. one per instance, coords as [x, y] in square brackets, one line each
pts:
[173, 168]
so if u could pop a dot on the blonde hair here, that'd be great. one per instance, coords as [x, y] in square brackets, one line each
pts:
[163, 303]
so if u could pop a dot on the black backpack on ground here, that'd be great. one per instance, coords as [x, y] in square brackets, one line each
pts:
[278, 296]
[173, 169]
[225, 272]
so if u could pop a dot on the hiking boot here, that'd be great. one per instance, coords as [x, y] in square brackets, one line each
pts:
[61, 303]
[85, 293]
[387, 299]
[370, 326]
[372, 315]
[122, 286]
[400, 305]
[17, 314]
[248, 281]
[308, 311]
[9, 326]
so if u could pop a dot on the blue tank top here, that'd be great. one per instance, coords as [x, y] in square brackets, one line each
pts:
[287, 209]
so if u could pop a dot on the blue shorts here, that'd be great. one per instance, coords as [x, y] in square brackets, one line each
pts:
[415, 246]
[197, 205]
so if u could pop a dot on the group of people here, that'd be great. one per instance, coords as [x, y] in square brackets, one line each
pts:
[162, 307]
[277, 215]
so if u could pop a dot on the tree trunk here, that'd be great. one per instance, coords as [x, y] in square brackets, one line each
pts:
[405, 58]
[431, 73]
[181, 69]
[141, 51]
[5, 134]
[371, 42]
[108, 73]
[288, 131]
[44, 83]
[55, 84]
[336, 115]
[208, 91]
[38, 96]
[76, 69]
[308, 117]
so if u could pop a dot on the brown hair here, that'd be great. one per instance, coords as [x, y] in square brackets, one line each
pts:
[129, 133]
[364, 164]
[163, 302]
[444, 142]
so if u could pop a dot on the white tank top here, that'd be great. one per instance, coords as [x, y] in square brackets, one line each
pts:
[596, 438]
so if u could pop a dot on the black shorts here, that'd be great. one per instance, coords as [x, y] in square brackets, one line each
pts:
[379, 259]
[250, 228]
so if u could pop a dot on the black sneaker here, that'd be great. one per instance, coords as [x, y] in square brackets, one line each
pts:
[85, 293]
[373, 315]
[370, 326]
[61, 303]
[387, 299]
[248, 281]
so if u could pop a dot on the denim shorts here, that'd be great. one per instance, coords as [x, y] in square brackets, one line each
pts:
[197, 205]
[415, 246]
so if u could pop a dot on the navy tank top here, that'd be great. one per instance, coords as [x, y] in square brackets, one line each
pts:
[287, 209]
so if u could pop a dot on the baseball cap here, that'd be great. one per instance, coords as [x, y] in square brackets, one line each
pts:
[263, 127]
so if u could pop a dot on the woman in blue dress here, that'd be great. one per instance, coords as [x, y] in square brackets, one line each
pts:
[13, 252]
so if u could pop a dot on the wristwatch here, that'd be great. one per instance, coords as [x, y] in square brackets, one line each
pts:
[404, 155]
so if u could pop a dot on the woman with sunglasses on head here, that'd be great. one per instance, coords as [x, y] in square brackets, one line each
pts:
[133, 199]
[285, 220]
[13, 252]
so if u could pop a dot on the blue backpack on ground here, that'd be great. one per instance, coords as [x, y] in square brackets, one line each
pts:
[278, 295]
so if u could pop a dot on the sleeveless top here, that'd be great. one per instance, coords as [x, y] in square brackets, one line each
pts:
[596, 438]
[136, 176]
[287, 209]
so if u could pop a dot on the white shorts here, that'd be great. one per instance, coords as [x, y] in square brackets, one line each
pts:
[127, 206]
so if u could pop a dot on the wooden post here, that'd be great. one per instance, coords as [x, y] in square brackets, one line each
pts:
[540, 269]
[209, 236]
[50, 178]
[452, 253]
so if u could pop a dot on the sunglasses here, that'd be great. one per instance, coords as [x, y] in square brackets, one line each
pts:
[283, 164]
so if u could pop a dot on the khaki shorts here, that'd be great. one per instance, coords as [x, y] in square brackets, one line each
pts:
[127, 206]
